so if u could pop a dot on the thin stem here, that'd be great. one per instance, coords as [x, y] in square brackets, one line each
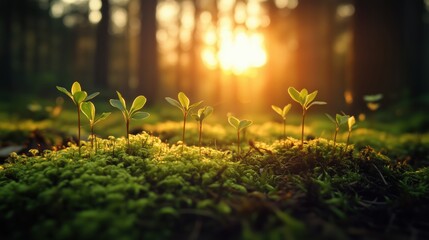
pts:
[347, 143]
[200, 134]
[335, 136]
[302, 127]
[185, 114]
[238, 142]
[78, 127]
[284, 131]
[128, 130]
[92, 136]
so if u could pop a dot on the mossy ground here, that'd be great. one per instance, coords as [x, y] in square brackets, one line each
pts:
[272, 190]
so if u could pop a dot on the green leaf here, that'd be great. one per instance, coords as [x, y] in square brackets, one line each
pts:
[75, 88]
[92, 96]
[244, 124]
[207, 111]
[117, 104]
[88, 110]
[373, 98]
[310, 97]
[351, 121]
[341, 119]
[330, 118]
[196, 117]
[174, 102]
[286, 109]
[233, 121]
[138, 103]
[102, 117]
[294, 94]
[303, 94]
[63, 90]
[139, 115]
[184, 100]
[79, 97]
[316, 103]
[277, 110]
[122, 100]
[195, 105]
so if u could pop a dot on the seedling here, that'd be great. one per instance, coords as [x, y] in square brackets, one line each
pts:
[306, 101]
[132, 113]
[199, 117]
[88, 110]
[372, 101]
[184, 105]
[282, 113]
[339, 120]
[351, 123]
[239, 125]
[78, 97]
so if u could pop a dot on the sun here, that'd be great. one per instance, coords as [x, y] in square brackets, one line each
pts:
[237, 52]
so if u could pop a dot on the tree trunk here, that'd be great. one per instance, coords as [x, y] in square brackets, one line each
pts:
[101, 64]
[148, 75]
[6, 43]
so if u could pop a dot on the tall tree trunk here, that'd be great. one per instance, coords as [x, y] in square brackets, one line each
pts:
[148, 77]
[6, 46]
[101, 64]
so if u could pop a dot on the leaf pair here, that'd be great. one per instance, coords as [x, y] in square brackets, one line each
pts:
[304, 98]
[77, 95]
[239, 124]
[88, 110]
[339, 119]
[202, 113]
[133, 112]
[183, 104]
[282, 112]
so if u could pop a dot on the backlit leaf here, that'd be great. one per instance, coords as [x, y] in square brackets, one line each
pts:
[63, 90]
[233, 121]
[195, 105]
[92, 96]
[117, 104]
[122, 100]
[184, 100]
[351, 121]
[75, 88]
[294, 94]
[277, 110]
[373, 98]
[140, 115]
[88, 110]
[286, 109]
[79, 97]
[310, 97]
[330, 118]
[102, 117]
[316, 103]
[174, 102]
[244, 124]
[138, 103]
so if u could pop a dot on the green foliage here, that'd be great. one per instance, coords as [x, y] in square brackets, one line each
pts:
[201, 114]
[351, 124]
[306, 100]
[239, 125]
[78, 97]
[88, 110]
[339, 120]
[282, 112]
[132, 113]
[184, 104]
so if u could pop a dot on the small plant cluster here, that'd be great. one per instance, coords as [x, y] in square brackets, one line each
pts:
[303, 97]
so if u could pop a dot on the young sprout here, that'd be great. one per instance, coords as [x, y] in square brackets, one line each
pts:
[306, 101]
[282, 113]
[184, 105]
[372, 101]
[339, 120]
[239, 125]
[78, 97]
[132, 113]
[199, 117]
[351, 123]
[88, 110]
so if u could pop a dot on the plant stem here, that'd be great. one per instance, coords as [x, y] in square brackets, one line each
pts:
[183, 131]
[302, 127]
[128, 130]
[347, 143]
[238, 142]
[200, 134]
[92, 136]
[284, 131]
[335, 136]
[78, 127]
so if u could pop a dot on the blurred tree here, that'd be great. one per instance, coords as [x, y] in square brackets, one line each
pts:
[6, 9]
[148, 75]
[101, 65]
